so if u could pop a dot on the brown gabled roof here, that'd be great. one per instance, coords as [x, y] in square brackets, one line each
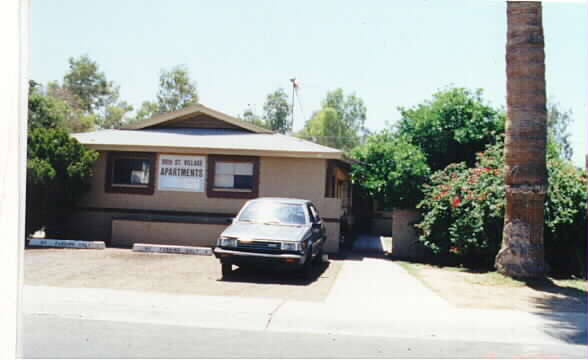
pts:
[197, 116]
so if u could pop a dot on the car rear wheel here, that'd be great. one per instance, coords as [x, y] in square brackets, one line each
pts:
[226, 270]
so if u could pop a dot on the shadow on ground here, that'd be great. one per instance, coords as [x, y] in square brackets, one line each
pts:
[360, 246]
[257, 275]
[565, 309]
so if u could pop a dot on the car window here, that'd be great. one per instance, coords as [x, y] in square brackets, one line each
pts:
[273, 212]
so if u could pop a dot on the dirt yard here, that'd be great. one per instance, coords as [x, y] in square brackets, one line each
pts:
[492, 290]
[168, 273]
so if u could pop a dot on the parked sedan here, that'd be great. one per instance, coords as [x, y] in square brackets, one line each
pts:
[273, 232]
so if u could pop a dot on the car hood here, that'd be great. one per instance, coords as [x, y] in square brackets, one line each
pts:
[265, 231]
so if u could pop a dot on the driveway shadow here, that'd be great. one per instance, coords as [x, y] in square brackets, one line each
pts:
[565, 309]
[259, 275]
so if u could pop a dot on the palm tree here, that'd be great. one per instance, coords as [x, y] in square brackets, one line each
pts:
[522, 253]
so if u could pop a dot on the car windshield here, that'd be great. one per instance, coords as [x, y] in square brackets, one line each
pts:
[273, 212]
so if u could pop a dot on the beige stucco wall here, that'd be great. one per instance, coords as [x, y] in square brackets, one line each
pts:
[404, 237]
[127, 232]
[160, 200]
[278, 177]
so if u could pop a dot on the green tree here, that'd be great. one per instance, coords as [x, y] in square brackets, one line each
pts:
[276, 111]
[557, 129]
[45, 111]
[350, 109]
[325, 127]
[147, 110]
[176, 90]
[48, 111]
[114, 116]
[58, 167]
[390, 169]
[251, 117]
[451, 127]
[92, 99]
[89, 85]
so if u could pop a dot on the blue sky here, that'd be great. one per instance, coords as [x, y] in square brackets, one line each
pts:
[390, 53]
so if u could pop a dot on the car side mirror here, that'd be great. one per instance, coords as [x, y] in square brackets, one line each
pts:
[230, 220]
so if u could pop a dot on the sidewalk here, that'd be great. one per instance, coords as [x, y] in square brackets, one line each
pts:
[370, 297]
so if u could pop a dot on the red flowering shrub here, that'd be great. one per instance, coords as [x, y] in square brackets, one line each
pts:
[463, 213]
[463, 209]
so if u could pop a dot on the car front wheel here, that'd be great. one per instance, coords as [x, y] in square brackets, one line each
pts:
[319, 257]
[307, 268]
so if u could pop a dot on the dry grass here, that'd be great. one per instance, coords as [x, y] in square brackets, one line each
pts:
[464, 288]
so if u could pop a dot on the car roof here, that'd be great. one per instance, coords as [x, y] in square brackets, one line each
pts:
[280, 199]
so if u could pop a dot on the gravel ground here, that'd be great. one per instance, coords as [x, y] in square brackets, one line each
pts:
[169, 273]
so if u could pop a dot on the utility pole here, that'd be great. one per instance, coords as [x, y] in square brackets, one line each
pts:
[294, 85]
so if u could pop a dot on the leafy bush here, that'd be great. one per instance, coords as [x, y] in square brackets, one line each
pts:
[463, 213]
[565, 219]
[390, 169]
[452, 126]
[57, 169]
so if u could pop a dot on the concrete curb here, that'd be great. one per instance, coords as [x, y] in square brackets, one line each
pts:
[77, 244]
[172, 249]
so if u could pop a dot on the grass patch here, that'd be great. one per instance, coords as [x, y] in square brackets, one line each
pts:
[411, 268]
[490, 278]
[493, 278]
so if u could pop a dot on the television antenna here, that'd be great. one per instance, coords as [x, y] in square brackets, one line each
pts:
[294, 92]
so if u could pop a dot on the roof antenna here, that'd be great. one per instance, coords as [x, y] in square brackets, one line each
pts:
[294, 87]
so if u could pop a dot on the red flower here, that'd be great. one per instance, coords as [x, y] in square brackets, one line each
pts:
[455, 202]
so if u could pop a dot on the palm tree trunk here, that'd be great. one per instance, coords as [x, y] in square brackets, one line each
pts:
[522, 253]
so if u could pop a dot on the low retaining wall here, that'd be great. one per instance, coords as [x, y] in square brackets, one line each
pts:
[125, 233]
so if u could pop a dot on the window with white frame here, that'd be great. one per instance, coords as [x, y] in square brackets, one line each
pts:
[236, 176]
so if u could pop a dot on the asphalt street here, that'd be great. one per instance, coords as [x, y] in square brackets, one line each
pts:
[75, 338]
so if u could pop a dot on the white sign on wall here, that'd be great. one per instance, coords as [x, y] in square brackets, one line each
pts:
[181, 173]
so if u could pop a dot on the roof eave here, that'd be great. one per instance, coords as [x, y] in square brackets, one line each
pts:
[219, 151]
